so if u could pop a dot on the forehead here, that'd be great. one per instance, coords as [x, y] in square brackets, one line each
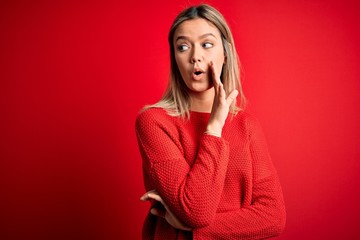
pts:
[196, 27]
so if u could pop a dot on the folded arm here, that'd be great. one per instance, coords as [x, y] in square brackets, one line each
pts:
[264, 218]
[193, 192]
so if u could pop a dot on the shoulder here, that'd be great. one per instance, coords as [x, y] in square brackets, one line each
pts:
[153, 117]
[245, 116]
[246, 124]
[246, 120]
[150, 114]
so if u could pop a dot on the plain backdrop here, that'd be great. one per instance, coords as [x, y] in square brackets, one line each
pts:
[74, 74]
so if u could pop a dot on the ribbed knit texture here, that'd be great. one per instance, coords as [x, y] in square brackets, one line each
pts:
[223, 188]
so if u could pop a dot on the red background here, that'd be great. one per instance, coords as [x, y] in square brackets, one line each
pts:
[74, 75]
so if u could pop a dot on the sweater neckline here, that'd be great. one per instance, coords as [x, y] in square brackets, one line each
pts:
[199, 113]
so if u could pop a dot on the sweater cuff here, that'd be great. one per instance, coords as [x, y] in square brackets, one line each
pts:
[219, 141]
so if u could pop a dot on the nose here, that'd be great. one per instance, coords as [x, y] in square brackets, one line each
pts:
[196, 55]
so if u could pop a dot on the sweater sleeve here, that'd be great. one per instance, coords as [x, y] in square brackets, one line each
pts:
[265, 216]
[191, 192]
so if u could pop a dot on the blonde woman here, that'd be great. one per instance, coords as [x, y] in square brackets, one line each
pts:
[207, 170]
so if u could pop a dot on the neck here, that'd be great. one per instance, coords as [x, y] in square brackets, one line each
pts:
[202, 101]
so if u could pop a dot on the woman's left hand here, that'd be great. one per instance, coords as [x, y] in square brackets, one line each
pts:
[221, 103]
[167, 214]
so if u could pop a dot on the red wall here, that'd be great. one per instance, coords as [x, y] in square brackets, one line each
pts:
[74, 75]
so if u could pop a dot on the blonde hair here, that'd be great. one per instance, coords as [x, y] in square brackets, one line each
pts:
[176, 100]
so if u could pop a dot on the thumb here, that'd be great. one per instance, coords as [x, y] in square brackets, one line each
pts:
[232, 96]
[158, 212]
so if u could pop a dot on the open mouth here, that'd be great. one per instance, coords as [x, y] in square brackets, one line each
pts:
[198, 73]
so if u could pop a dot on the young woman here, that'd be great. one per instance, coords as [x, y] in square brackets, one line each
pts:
[206, 165]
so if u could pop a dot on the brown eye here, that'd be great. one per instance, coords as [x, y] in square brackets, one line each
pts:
[207, 45]
[183, 48]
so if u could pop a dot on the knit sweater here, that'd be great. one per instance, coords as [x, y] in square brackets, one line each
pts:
[222, 187]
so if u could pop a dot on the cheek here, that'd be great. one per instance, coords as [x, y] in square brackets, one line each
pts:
[218, 57]
[182, 66]
[179, 62]
[219, 63]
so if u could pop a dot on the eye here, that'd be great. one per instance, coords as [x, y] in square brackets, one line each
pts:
[207, 45]
[183, 47]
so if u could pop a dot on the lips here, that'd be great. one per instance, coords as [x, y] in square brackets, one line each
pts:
[198, 73]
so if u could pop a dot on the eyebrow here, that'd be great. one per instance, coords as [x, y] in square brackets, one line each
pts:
[187, 38]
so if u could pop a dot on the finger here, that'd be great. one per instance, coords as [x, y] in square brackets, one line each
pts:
[215, 73]
[145, 197]
[158, 212]
[175, 222]
[215, 79]
[232, 96]
[155, 196]
[221, 91]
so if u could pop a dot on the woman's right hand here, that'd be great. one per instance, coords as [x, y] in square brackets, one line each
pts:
[168, 215]
[221, 104]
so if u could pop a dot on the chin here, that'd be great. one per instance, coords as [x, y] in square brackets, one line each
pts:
[199, 89]
[198, 86]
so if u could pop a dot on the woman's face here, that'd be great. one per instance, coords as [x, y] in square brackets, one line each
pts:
[197, 42]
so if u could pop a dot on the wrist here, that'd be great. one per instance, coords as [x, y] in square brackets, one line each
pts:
[215, 131]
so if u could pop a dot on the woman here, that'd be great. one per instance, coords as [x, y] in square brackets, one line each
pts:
[206, 166]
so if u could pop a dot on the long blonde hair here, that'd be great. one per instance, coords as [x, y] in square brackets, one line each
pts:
[176, 100]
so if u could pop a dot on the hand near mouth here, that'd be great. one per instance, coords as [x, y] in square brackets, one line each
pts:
[221, 104]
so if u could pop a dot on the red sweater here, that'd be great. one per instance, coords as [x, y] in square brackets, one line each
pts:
[223, 188]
